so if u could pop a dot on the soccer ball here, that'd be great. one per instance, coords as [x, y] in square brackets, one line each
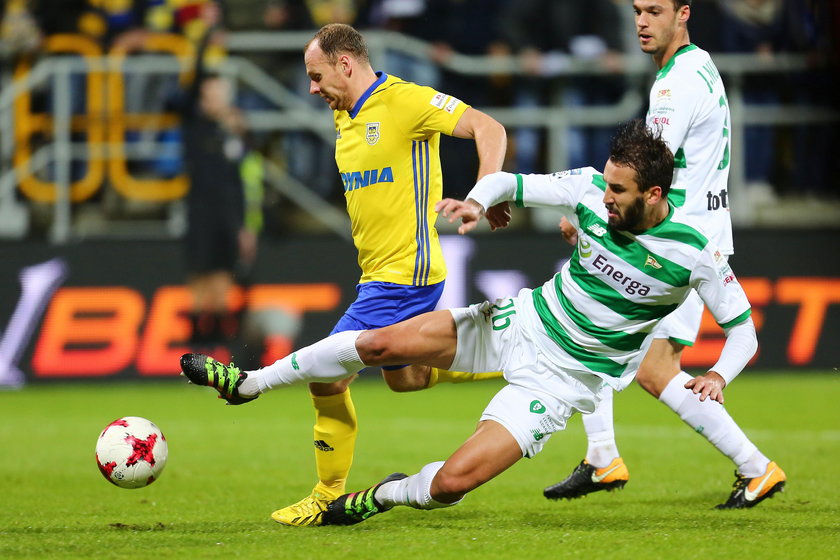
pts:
[131, 452]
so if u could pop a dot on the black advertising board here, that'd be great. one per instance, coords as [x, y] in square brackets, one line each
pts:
[117, 310]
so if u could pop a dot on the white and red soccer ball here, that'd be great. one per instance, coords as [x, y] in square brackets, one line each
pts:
[131, 452]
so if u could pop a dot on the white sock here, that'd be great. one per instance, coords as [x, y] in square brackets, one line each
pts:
[413, 491]
[600, 432]
[330, 359]
[710, 419]
[756, 465]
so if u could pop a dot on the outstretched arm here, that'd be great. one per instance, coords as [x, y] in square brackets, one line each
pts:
[561, 190]
[490, 191]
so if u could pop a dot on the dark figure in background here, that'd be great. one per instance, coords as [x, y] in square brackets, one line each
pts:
[217, 240]
[757, 27]
[107, 23]
[469, 27]
[544, 34]
[809, 148]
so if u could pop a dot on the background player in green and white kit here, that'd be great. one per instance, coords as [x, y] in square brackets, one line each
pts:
[688, 103]
[636, 260]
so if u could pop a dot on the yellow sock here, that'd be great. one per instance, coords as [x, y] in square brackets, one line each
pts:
[438, 375]
[335, 440]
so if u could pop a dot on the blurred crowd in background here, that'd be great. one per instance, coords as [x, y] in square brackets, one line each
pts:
[542, 33]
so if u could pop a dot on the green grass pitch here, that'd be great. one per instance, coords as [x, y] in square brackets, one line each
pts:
[230, 467]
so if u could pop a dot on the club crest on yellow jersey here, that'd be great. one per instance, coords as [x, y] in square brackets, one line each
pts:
[372, 133]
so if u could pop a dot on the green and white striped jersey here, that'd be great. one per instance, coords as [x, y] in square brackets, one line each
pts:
[595, 315]
[688, 103]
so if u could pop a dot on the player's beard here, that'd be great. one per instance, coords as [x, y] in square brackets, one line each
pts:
[337, 100]
[629, 218]
[334, 103]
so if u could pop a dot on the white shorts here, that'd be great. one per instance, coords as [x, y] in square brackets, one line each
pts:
[492, 337]
[530, 418]
[683, 323]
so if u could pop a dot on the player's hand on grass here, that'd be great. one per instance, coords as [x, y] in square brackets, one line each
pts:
[709, 385]
[498, 215]
[569, 232]
[468, 211]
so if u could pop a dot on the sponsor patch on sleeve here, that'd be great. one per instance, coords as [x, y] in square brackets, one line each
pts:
[724, 271]
[438, 100]
[451, 105]
[567, 173]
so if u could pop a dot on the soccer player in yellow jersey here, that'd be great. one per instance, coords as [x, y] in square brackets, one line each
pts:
[387, 150]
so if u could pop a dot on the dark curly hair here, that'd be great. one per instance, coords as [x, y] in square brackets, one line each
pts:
[337, 38]
[642, 149]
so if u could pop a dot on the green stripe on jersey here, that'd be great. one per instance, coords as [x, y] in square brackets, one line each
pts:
[682, 341]
[676, 197]
[674, 231]
[598, 181]
[603, 293]
[613, 339]
[739, 319]
[679, 159]
[520, 192]
[630, 252]
[590, 360]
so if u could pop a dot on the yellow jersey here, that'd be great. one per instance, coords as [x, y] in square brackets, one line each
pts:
[387, 151]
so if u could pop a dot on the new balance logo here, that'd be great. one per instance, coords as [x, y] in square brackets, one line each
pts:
[322, 445]
[538, 435]
[597, 230]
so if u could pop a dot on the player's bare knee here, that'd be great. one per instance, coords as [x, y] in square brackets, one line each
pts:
[646, 378]
[655, 379]
[407, 379]
[398, 386]
[373, 347]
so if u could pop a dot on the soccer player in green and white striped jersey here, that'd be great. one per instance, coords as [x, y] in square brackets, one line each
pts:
[688, 102]
[637, 258]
